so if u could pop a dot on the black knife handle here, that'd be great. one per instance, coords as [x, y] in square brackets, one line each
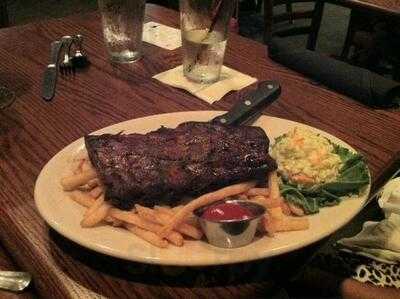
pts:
[251, 105]
[50, 75]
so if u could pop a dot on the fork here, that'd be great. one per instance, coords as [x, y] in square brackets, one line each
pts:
[66, 66]
[79, 58]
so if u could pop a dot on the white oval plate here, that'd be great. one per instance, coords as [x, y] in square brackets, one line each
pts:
[64, 215]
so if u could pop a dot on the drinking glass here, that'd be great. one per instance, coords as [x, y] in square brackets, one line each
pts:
[204, 29]
[122, 28]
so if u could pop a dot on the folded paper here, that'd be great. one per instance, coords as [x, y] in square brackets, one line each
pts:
[230, 80]
[380, 240]
[162, 36]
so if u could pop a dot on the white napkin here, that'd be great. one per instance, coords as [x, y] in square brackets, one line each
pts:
[380, 240]
[162, 36]
[230, 80]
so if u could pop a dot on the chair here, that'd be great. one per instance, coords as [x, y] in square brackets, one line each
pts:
[358, 32]
[374, 41]
[270, 19]
[4, 22]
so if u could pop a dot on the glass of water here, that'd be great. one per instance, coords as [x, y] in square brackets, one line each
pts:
[122, 28]
[204, 29]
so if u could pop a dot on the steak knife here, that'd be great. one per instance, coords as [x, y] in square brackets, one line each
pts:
[249, 108]
[50, 75]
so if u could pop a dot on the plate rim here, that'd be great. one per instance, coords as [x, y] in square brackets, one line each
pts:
[181, 262]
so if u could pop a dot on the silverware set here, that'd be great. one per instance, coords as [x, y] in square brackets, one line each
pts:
[74, 59]
[66, 65]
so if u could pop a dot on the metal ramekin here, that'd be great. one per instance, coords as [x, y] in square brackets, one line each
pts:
[231, 233]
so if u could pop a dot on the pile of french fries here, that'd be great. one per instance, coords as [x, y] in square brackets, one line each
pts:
[164, 226]
[278, 217]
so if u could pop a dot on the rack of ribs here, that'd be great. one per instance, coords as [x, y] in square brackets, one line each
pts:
[162, 166]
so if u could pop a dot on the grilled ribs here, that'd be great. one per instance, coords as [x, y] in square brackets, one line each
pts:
[161, 166]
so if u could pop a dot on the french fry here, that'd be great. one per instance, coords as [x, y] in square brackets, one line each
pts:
[93, 183]
[98, 202]
[172, 211]
[177, 208]
[77, 167]
[295, 209]
[96, 192]
[285, 208]
[74, 181]
[81, 155]
[173, 237]
[269, 226]
[113, 221]
[190, 220]
[203, 200]
[242, 197]
[87, 166]
[273, 185]
[267, 202]
[165, 218]
[90, 185]
[291, 224]
[275, 213]
[82, 198]
[258, 199]
[258, 191]
[163, 225]
[163, 209]
[148, 236]
[96, 216]
[129, 217]
[148, 213]
[189, 228]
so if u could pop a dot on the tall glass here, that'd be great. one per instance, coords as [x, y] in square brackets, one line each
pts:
[122, 28]
[204, 29]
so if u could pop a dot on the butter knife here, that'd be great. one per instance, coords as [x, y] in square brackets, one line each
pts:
[50, 75]
[14, 281]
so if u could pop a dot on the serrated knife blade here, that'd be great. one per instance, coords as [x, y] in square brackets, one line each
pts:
[50, 74]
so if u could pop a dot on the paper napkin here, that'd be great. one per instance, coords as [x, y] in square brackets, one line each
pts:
[380, 240]
[162, 36]
[230, 80]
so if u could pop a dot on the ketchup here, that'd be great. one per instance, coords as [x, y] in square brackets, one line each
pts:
[227, 211]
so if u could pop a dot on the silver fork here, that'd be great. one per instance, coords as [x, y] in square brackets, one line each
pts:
[66, 66]
[79, 58]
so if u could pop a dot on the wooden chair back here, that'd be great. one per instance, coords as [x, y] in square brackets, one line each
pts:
[314, 15]
[4, 22]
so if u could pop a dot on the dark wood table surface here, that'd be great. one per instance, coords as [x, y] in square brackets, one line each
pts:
[6, 264]
[32, 131]
[386, 7]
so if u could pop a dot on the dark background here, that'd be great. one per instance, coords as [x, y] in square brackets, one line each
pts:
[331, 38]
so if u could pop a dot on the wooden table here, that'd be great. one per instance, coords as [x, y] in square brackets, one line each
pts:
[6, 264]
[32, 131]
[386, 7]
